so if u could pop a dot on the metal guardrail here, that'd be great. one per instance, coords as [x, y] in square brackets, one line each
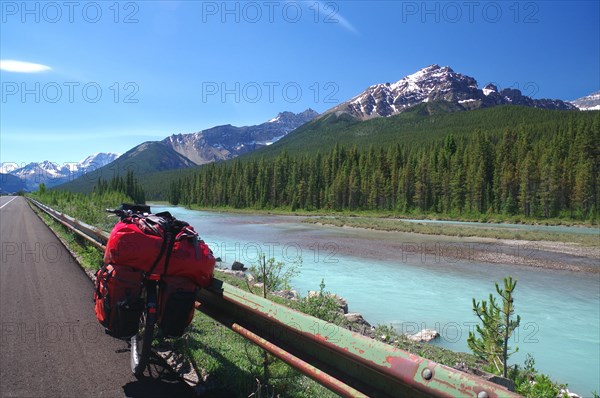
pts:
[347, 363]
[94, 235]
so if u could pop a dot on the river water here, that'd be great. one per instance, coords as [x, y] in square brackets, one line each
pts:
[384, 278]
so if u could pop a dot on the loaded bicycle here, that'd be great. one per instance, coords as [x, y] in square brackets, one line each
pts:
[153, 265]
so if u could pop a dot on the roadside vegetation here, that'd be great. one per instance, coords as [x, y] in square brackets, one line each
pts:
[90, 208]
[86, 254]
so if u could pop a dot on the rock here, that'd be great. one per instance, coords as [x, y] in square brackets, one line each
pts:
[237, 266]
[259, 285]
[218, 259]
[237, 274]
[504, 382]
[287, 294]
[357, 319]
[565, 391]
[342, 303]
[424, 335]
[251, 279]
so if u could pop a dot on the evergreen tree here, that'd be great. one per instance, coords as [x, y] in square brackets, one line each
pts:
[497, 326]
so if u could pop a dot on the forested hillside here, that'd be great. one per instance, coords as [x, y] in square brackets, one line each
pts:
[506, 160]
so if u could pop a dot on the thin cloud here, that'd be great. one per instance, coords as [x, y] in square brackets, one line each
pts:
[10, 65]
[331, 11]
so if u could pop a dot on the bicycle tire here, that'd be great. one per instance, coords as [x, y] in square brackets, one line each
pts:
[141, 342]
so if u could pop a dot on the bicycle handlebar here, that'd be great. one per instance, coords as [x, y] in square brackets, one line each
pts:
[127, 210]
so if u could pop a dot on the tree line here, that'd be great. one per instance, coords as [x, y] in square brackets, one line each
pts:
[90, 207]
[522, 171]
[128, 186]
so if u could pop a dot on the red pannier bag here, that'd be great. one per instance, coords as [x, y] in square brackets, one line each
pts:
[139, 242]
[176, 305]
[117, 297]
[128, 245]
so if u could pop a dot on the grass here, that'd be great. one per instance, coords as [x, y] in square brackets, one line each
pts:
[380, 224]
[231, 364]
[88, 256]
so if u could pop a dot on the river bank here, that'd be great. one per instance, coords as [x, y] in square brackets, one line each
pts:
[490, 219]
[499, 227]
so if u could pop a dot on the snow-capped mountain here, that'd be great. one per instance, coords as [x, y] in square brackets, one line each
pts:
[226, 142]
[435, 83]
[52, 174]
[589, 102]
[97, 160]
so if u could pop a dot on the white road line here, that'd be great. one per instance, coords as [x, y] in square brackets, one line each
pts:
[2, 207]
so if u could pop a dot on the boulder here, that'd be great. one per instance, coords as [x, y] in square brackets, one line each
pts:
[287, 294]
[424, 335]
[237, 266]
[565, 391]
[356, 319]
[237, 274]
[341, 302]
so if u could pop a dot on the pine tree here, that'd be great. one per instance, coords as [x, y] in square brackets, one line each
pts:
[497, 326]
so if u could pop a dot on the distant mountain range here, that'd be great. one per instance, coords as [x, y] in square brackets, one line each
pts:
[227, 142]
[49, 173]
[432, 84]
[588, 103]
[181, 151]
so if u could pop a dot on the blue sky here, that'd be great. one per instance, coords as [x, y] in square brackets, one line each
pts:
[106, 76]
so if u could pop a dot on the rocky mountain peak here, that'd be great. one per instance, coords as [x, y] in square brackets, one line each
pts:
[227, 141]
[489, 88]
[589, 102]
[435, 83]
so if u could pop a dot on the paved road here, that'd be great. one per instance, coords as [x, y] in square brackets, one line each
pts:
[51, 344]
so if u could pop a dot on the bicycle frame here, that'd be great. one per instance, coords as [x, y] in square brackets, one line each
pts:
[141, 343]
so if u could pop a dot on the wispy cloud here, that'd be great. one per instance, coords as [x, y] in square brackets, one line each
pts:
[10, 65]
[331, 11]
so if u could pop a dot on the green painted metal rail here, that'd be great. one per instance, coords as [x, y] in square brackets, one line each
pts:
[363, 366]
[347, 363]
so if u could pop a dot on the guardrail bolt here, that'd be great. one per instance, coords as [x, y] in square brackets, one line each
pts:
[427, 374]
[483, 394]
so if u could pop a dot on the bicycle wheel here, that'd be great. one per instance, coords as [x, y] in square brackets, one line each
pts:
[141, 342]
